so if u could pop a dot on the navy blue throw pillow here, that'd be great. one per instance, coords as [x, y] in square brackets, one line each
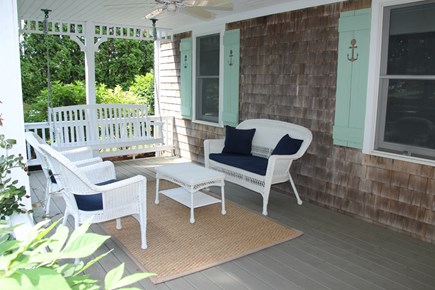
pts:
[287, 146]
[89, 202]
[92, 202]
[238, 141]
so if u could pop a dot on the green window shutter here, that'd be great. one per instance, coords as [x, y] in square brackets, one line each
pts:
[186, 77]
[230, 110]
[352, 75]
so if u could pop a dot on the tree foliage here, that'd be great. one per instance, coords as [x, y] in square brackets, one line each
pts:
[117, 62]
[66, 63]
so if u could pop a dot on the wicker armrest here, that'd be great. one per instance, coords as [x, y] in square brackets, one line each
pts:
[126, 190]
[124, 183]
[212, 146]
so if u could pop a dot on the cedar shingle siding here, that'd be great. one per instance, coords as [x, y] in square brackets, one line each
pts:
[288, 72]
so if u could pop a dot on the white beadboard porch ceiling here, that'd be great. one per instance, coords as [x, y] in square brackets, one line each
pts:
[132, 12]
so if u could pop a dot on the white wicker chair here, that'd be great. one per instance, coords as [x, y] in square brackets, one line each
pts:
[93, 191]
[80, 157]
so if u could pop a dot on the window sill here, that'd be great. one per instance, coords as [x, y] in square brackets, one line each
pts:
[219, 125]
[395, 156]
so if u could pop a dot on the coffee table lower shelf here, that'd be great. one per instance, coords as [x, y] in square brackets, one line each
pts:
[191, 200]
[183, 196]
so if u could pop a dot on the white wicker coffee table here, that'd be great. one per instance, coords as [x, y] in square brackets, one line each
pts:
[191, 178]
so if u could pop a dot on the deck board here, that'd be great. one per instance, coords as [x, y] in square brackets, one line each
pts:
[223, 279]
[335, 252]
[201, 281]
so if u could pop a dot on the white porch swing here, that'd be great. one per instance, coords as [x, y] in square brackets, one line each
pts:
[109, 129]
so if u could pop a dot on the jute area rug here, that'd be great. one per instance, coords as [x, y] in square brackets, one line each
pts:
[177, 248]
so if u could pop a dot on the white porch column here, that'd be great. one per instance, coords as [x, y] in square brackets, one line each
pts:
[11, 108]
[90, 49]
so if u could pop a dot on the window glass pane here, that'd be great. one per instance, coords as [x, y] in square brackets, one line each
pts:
[410, 115]
[208, 55]
[208, 106]
[411, 48]
[207, 78]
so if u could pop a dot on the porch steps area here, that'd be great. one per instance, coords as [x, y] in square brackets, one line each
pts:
[335, 251]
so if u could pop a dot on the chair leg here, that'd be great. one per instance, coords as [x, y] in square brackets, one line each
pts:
[265, 195]
[65, 217]
[118, 224]
[143, 226]
[47, 198]
[265, 201]
[294, 189]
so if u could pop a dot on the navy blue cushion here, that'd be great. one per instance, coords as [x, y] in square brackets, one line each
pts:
[107, 182]
[252, 164]
[238, 141]
[91, 202]
[52, 179]
[287, 146]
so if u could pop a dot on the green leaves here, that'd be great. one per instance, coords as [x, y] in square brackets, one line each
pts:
[114, 278]
[83, 246]
[39, 262]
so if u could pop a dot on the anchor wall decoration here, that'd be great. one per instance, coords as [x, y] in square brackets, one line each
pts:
[231, 61]
[352, 46]
[185, 61]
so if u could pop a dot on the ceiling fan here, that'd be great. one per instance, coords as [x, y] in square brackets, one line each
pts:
[195, 8]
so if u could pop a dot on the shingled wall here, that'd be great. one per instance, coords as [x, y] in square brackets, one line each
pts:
[288, 72]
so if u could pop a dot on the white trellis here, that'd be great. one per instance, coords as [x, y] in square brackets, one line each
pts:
[58, 27]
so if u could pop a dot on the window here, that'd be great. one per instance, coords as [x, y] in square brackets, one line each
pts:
[406, 110]
[207, 78]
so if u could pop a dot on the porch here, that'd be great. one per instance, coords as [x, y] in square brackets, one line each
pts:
[335, 251]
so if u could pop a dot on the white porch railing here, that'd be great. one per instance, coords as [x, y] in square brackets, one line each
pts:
[164, 124]
[43, 130]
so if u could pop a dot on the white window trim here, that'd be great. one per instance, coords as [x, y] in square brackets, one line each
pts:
[207, 30]
[373, 83]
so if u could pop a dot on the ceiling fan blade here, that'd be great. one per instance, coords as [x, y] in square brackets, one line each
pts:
[198, 12]
[155, 13]
[211, 4]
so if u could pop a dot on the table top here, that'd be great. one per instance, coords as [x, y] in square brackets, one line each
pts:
[189, 173]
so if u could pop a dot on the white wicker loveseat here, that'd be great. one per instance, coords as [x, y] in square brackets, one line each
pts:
[268, 162]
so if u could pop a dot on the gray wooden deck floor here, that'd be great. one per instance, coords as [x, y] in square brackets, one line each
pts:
[335, 252]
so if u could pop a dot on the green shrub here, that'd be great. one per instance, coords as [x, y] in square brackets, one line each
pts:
[61, 95]
[117, 96]
[140, 92]
[143, 87]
